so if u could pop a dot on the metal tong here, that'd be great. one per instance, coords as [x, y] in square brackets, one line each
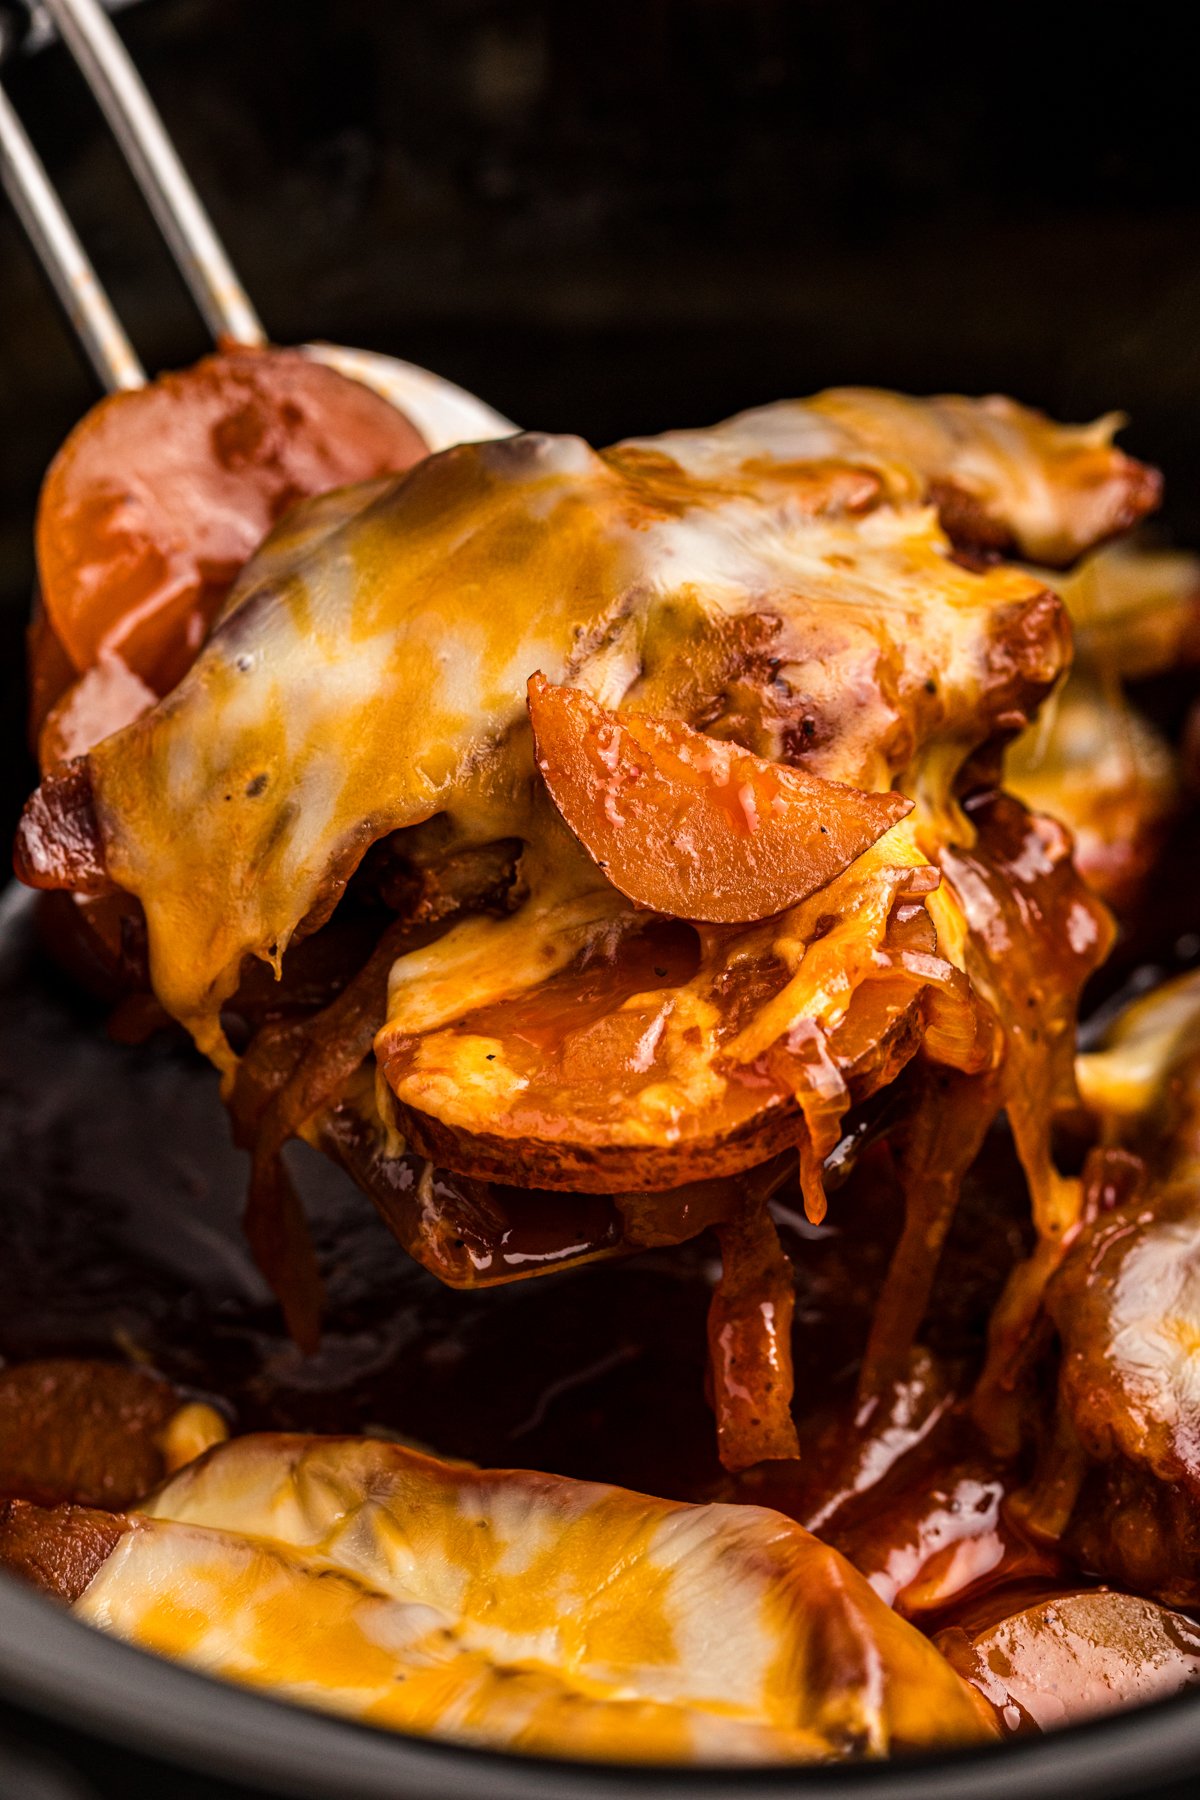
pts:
[443, 412]
[89, 35]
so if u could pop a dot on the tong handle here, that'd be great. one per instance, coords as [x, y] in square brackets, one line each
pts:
[64, 258]
[89, 35]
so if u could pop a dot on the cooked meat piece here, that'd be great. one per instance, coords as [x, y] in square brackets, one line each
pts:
[59, 1548]
[89, 1432]
[1075, 1656]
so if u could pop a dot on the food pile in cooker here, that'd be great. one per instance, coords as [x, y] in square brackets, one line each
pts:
[693, 851]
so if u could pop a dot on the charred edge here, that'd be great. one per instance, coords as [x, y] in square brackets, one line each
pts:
[57, 1549]
[980, 537]
[1142, 496]
[967, 523]
[59, 843]
[1028, 651]
[565, 1167]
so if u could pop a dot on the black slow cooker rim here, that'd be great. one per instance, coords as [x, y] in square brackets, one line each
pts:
[64, 1672]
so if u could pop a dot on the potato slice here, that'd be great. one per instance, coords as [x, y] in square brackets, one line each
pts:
[655, 1054]
[689, 825]
[1127, 1306]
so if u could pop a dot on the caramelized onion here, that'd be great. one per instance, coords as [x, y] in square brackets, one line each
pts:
[749, 1342]
[1035, 934]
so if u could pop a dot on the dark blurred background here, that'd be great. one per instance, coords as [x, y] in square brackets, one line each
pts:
[619, 215]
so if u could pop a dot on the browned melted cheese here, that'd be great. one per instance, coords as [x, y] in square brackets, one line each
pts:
[1003, 475]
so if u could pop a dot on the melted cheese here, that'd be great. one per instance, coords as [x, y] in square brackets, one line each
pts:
[1092, 760]
[1147, 1057]
[611, 1073]
[521, 1610]
[1049, 490]
[1106, 773]
[1136, 611]
[370, 668]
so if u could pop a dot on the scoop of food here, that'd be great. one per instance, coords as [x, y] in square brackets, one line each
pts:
[590, 851]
